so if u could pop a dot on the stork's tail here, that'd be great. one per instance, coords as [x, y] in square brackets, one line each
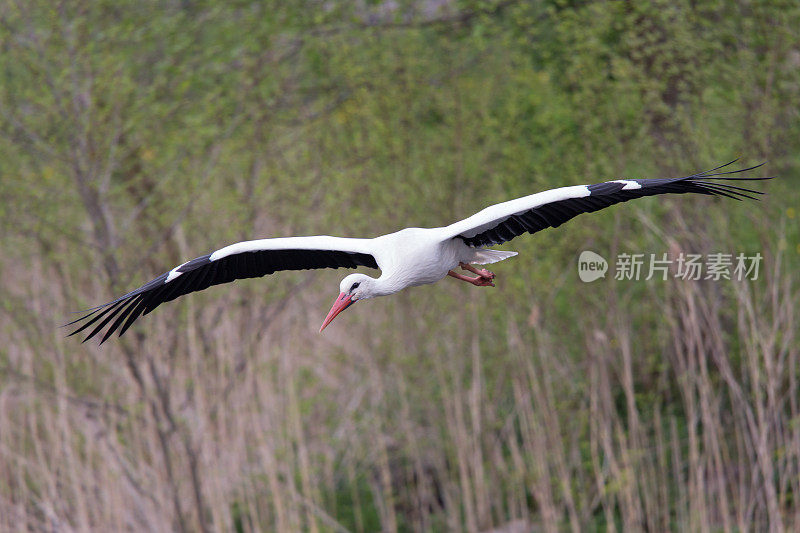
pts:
[484, 256]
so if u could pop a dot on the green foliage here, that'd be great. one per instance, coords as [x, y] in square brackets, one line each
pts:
[133, 138]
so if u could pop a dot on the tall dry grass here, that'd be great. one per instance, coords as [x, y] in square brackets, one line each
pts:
[226, 412]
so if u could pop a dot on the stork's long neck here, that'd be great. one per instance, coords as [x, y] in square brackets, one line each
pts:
[398, 280]
[386, 285]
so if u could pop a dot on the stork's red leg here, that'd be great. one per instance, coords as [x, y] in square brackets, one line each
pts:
[480, 281]
[482, 272]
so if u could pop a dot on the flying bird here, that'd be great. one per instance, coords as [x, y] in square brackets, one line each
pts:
[406, 258]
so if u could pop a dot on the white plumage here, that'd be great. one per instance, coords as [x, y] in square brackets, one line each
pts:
[409, 257]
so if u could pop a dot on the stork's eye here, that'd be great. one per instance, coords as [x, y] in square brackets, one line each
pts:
[356, 284]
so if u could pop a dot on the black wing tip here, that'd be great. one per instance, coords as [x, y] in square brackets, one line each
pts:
[122, 305]
[89, 312]
[119, 308]
[714, 172]
[710, 182]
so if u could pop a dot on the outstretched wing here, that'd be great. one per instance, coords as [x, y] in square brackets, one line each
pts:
[248, 259]
[549, 209]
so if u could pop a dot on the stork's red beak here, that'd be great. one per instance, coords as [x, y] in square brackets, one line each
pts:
[341, 303]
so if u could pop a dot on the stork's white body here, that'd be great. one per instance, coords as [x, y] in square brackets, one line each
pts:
[416, 256]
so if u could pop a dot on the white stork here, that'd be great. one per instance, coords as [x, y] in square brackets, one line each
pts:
[409, 257]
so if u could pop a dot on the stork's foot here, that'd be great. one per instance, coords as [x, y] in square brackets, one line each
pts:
[482, 272]
[483, 282]
[480, 281]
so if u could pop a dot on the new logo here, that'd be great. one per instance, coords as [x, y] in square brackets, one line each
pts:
[591, 266]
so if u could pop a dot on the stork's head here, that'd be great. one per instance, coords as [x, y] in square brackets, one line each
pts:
[352, 288]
